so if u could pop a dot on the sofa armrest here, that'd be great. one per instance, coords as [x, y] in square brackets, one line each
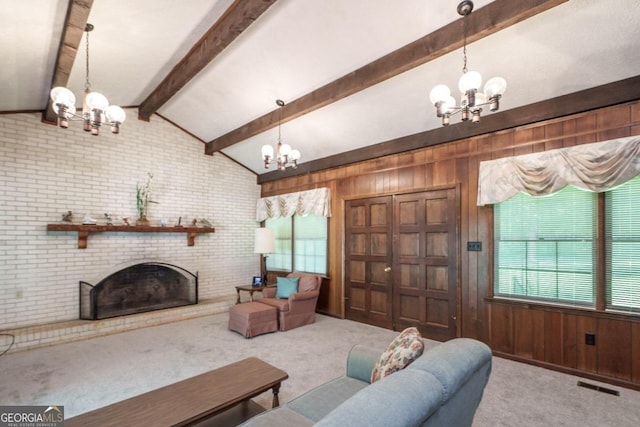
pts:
[361, 361]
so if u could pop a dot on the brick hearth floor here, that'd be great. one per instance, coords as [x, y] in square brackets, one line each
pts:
[74, 330]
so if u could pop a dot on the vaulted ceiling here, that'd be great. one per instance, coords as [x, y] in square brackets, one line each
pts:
[355, 74]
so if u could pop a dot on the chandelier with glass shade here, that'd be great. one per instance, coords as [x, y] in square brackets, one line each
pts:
[95, 106]
[471, 100]
[285, 155]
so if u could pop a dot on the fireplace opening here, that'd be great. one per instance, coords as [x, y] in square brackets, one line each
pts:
[138, 288]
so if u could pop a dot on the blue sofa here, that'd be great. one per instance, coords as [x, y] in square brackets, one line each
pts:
[443, 387]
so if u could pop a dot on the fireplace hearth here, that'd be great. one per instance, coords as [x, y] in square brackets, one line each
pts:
[138, 288]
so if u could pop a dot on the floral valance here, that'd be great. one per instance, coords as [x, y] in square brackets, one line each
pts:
[596, 167]
[315, 202]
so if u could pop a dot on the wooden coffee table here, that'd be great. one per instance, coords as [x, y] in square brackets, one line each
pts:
[192, 400]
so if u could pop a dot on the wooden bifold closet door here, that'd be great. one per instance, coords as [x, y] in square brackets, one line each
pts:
[401, 255]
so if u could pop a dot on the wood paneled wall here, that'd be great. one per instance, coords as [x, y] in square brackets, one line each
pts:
[507, 328]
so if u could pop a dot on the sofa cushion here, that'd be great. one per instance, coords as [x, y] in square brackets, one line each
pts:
[406, 398]
[403, 350]
[453, 364]
[318, 402]
[286, 286]
[278, 417]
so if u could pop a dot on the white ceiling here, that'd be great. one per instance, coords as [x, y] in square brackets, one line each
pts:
[297, 46]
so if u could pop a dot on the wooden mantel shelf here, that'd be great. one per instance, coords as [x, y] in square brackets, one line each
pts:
[84, 230]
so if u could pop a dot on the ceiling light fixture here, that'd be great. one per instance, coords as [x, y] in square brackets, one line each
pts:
[95, 106]
[471, 101]
[286, 157]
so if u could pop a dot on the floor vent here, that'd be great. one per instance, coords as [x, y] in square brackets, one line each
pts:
[598, 388]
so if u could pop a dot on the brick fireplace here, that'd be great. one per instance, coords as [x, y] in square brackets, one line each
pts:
[138, 288]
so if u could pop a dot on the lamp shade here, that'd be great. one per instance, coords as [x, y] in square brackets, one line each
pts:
[285, 149]
[264, 242]
[439, 93]
[495, 86]
[97, 101]
[115, 114]
[469, 81]
[295, 154]
[62, 95]
[267, 151]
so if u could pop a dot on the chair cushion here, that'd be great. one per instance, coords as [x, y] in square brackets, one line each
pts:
[280, 304]
[403, 350]
[286, 286]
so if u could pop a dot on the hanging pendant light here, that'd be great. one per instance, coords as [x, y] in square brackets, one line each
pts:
[95, 106]
[285, 155]
[471, 100]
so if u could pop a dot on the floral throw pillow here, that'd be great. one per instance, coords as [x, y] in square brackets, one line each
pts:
[403, 350]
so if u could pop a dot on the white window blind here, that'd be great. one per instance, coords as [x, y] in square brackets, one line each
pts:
[545, 247]
[282, 231]
[310, 243]
[300, 243]
[622, 235]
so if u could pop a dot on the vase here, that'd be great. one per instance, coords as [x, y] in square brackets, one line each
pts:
[144, 222]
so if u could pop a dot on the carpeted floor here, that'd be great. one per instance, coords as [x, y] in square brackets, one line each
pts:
[93, 373]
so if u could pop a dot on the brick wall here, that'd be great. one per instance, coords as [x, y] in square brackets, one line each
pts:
[45, 171]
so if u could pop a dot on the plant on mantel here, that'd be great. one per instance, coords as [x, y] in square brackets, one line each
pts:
[143, 198]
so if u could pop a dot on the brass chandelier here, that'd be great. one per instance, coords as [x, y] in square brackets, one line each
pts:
[471, 100]
[285, 155]
[95, 106]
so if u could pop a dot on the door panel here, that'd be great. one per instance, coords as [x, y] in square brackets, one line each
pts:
[368, 239]
[401, 256]
[425, 263]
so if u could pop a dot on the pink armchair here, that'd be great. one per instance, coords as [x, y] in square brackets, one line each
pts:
[300, 308]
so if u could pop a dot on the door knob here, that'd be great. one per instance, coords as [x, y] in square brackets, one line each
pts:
[388, 269]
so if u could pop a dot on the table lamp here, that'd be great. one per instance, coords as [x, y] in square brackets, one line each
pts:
[264, 243]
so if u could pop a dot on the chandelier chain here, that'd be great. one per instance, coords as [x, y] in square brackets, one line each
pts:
[464, 43]
[87, 85]
[279, 124]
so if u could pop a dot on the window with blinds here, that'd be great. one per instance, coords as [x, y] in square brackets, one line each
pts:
[300, 244]
[283, 234]
[310, 243]
[545, 247]
[622, 242]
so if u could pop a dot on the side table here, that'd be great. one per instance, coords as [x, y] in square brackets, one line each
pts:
[251, 290]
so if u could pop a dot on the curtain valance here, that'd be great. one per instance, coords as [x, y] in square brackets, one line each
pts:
[316, 202]
[596, 167]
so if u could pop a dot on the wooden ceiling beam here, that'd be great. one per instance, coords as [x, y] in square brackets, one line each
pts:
[490, 19]
[74, 25]
[238, 17]
[615, 93]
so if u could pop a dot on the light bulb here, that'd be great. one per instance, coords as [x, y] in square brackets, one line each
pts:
[439, 93]
[62, 95]
[97, 101]
[495, 86]
[449, 104]
[285, 149]
[469, 81]
[481, 98]
[267, 151]
[115, 114]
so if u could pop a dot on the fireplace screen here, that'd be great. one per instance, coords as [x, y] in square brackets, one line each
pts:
[139, 288]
